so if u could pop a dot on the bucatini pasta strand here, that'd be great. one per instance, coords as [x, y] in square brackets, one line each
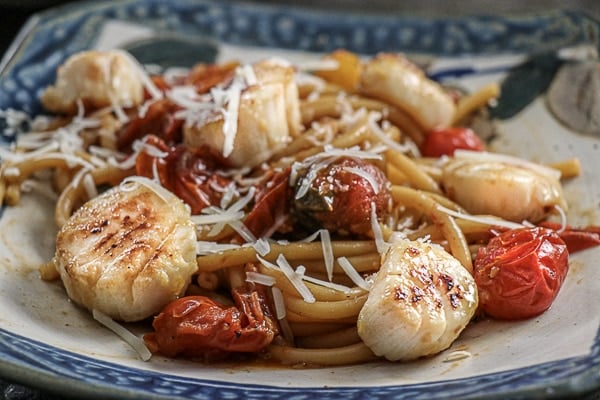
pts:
[475, 101]
[345, 355]
[291, 251]
[330, 340]
[420, 200]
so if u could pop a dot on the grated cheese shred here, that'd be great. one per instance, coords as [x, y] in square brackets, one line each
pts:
[380, 242]
[352, 273]
[366, 176]
[135, 342]
[295, 279]
[480, 219]
[262, 279]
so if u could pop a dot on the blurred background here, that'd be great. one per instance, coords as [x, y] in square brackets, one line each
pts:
[14, 13]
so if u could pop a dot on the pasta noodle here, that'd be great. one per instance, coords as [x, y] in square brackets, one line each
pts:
[316, 285]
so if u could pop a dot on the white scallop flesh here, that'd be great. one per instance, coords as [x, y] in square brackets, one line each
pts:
[96, 78]
[268, 116]
[512, 192]
[394, 79]
[128, 252]
[420, 301]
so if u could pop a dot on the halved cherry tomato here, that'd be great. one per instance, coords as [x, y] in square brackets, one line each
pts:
[520, 272]
[443, 142]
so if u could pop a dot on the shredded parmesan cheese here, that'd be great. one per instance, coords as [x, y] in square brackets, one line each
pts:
[457, 355]
[327, 252]
[352, 273]
[205, 247]
[243, 231]
[380, 242]
[262, 279]
[130, 183]
[372, 122]
[295, 279]
[327, 284]
[327, 248]
[262, 246]
[279, 303]
[480, 219]
[230, 124]
[366, 176]
[135, 342]
[154, 91]
[209, 219]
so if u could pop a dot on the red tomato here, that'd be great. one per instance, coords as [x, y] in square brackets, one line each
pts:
[520, 272]
[189, 173]
[196, 326]
[159, 120]
[443, 142]
[577, 239]
[271, 208]
[340, 195]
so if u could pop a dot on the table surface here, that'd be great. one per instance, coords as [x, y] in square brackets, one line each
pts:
[13, 15]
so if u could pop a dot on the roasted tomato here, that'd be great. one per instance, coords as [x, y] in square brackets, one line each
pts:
[189, 173]
[271, 205]
[338, 196]
[520, 272]
[443, 142]
[577, 239]
[206, 76]
[198, 327]
[159, 120]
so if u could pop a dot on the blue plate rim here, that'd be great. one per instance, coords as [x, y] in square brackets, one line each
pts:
[557, 380]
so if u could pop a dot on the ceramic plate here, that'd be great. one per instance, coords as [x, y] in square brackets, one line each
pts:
[47, 342]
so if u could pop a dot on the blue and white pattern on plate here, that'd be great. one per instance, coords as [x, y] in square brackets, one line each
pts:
[79, 373]
[48, 40]
[57, 34]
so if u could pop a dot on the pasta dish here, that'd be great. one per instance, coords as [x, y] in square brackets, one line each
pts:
[331, 213]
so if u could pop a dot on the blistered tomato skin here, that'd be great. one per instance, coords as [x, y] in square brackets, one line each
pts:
[443, 142]
[199, 327]
[340, 198]
[520, 272]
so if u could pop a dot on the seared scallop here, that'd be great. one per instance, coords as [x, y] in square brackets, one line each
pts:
[394, 79]
[259, 115]
[420, 301]
[97, 79]
[128, 252]
[513, 191]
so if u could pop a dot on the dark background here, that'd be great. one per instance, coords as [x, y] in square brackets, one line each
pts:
[14, 13]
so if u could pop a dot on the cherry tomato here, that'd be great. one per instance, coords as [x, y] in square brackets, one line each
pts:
[520, 272]
[189, 173]
[271, 208]
[443, 142]
[206, 76]
[196, 326]
[159, 120]
[339, 196]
